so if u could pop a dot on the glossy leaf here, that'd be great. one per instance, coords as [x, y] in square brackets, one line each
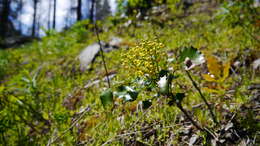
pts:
[146, 104]
[106, 97]
[126, 93]
[191, 57]
[189, 52]
[179, 97]
[163, 73]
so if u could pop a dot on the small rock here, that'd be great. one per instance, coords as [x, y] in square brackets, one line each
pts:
[256, 64]
[115, 41]
[228, 126]
[193, 139]
[128, 23]
[237, 64]
[88, 55]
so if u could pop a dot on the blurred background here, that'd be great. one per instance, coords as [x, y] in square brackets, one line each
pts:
[27, 17]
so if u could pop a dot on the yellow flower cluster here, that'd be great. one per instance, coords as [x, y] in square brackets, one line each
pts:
[147, 58]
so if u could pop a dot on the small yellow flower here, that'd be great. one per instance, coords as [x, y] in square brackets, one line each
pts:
[147, 58]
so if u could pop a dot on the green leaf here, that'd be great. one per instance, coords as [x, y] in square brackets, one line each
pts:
[191, 56]
[106, 97]
[133, 95]
[189, 52]
[146, 104]
[163, 73]
[126, 93]
[179, 97]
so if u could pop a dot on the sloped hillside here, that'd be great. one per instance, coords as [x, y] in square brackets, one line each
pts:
[173, 77]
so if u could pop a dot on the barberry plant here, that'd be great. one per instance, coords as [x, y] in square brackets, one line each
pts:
[147, 63]
[145, 59]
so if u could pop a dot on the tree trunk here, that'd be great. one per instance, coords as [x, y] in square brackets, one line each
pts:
[49, 15]
[4, 17]
[20, 9]
[91, 16]
[34, 17]
[54, 14]
[79, 14]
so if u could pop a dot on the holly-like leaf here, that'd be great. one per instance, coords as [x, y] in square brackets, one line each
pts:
[126, 93]
[146, 104]
[217, 91]
[214, 66]
[226, 68]
[191, 57]
[106, 97]
[145, 84]
[218, 72]
[163, 73]
[189, 52]
[179, 97]
[208, 77]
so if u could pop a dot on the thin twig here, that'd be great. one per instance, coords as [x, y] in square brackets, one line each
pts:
[211, 133]
[51, 138]
[102, 55]
[135, 132]
[188, 116]
[72, 125]
[250, 34]
[202, 96]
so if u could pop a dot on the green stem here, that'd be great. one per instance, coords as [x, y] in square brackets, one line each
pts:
[102, 55]
[3, 138]
[202, 96]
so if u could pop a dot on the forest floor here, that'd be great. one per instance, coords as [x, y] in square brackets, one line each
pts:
[46, 97]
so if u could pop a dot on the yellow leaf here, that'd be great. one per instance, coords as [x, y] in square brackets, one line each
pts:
[214, 66]
[210, 90]
[213, 90]
[208, 78]
[226, 69]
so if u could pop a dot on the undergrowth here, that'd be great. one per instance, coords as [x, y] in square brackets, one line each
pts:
[43, 99]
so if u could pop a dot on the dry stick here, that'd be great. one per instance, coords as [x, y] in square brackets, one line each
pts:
[194, 122]
[134, 132]
[188, 116]
[102, 55]
[202, 96]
